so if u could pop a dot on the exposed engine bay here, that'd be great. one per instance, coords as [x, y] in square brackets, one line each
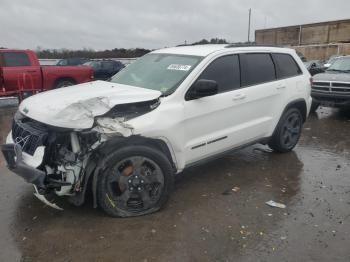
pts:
[55, 159]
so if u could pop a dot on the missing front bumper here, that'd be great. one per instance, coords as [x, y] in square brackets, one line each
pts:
[14, 159]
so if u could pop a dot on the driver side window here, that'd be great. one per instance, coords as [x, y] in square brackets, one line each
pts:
[225, 71]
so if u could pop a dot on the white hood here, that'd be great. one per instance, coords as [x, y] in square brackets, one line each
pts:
[76, 106]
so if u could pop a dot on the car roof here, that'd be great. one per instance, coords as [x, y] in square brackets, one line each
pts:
[205, 50]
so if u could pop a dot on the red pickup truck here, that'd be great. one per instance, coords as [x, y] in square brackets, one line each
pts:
[21, 73]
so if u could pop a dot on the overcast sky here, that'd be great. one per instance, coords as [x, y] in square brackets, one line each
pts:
[106, 24]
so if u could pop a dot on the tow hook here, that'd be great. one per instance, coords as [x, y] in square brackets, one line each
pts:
[43, 199]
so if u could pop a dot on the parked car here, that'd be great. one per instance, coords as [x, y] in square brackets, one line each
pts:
[72, 61]
[332, 88]
[169, 110]
[20, 72]
[331, 60]
[314, 67]
[105, 69]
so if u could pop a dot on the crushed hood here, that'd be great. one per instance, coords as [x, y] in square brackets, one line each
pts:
[76, 106]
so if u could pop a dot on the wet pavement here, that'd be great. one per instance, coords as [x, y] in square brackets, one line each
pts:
[216, 213]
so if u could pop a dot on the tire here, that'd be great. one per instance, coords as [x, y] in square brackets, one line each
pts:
[287, 132]
[136, 181]
[314, 107]
[63, 83]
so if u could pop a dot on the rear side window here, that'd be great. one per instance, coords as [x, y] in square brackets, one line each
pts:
[256, 69]
[108, 65]
[16, 59]
[225, 71]
[285, 66]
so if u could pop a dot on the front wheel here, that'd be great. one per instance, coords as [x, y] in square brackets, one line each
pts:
[137, 180]
[288, 131]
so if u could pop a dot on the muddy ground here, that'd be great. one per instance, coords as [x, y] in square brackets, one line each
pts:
[205, 220]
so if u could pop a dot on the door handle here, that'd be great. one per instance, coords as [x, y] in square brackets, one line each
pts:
[239, 97]
[280, 87]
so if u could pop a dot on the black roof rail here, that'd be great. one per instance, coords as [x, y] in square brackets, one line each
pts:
[252, 45]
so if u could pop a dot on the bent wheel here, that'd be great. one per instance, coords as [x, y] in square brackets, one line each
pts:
[136, 181]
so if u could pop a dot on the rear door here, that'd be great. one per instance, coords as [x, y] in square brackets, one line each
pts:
[264, 96]
[19, 73]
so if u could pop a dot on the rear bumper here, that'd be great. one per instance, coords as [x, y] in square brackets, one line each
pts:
[14, 159]
[331, 98]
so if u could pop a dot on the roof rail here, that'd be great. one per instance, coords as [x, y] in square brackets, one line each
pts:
[251, 45]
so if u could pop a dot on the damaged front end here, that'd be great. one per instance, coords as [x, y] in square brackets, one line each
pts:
[60, 160]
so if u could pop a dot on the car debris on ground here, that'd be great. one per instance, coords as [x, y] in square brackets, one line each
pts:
[272, 203]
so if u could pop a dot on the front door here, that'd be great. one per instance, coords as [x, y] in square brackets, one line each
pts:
[208, 125]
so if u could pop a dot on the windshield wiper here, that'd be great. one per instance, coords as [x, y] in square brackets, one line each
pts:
[335, 70]
[338, 70]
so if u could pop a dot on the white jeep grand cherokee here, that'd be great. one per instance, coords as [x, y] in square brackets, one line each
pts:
[170, 109]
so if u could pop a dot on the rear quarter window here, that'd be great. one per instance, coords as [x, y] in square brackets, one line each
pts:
[257, 68]
[12, 59]
[286, 66]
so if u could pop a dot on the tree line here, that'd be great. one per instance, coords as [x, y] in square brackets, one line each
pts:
[90, 53]
[110, 53]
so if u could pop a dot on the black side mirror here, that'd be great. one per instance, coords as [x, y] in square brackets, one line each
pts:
[202, 88]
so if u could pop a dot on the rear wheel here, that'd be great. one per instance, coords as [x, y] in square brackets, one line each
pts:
[288, 131]
[137, 180]
[64, 83]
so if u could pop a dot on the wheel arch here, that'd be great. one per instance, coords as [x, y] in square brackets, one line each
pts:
[300, 104]
[155, 143]
[63, 78]
[99, 157]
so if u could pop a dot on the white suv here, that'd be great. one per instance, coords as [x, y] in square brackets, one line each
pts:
[171, 109]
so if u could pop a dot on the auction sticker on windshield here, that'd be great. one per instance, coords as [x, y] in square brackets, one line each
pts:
[179, 67]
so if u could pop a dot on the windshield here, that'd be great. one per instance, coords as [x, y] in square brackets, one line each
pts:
[62, 62]
[332, 60]
[162, 72]
[340, 64]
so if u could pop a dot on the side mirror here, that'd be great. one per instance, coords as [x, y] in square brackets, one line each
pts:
[202, 88]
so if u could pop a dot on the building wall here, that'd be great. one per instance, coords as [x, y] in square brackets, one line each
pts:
[319, 33]
[323, 51]
[315, 41]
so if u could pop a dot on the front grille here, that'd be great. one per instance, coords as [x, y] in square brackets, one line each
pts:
[341, 85]
[332, 87]
[321, 83]
[28, 135]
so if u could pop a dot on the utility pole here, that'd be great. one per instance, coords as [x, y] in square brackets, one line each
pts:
[250, 14]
